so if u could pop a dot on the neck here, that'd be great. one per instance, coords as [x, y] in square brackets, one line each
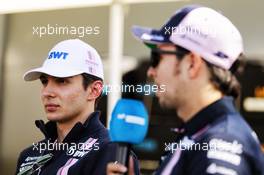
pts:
[198, 102]
[63, 128]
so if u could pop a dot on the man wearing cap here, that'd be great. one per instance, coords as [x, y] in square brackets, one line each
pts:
[195, 55]
[76, 142]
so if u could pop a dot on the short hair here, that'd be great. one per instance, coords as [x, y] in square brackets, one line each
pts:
[89, 79]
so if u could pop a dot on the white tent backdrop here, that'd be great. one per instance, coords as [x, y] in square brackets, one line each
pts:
[116, 28]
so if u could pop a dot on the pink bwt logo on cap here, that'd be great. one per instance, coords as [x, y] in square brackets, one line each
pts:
[91, 70]
[90, 60]
[90, 57]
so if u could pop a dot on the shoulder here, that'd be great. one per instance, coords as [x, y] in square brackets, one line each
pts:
[34, 149]
[29, 155]
[229, 145]
[233, 128]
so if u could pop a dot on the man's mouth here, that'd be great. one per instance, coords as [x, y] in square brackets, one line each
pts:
[51, 107]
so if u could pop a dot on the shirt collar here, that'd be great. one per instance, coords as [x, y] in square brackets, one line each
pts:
[209, 114]
[77, 132]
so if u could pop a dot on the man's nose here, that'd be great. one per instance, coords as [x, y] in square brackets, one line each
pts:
[48, 90]
[151, 73]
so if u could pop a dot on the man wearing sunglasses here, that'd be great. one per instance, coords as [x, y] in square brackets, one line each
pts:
[196, 55]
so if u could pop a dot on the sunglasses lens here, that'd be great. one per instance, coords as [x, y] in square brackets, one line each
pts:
[155, 58]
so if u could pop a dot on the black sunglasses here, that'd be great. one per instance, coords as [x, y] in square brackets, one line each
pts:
[156, 55]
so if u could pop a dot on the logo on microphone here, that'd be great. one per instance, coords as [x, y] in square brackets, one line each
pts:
[132, 119]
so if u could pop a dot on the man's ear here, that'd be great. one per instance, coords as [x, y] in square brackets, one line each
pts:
[195, 65]
[94, 90]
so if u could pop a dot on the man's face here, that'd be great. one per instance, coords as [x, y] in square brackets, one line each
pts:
[63, 98]
[168, 72]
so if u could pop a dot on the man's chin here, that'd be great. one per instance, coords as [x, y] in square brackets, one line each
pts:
[58, 119]
[54, 118]
[165, 105]
[162, 103]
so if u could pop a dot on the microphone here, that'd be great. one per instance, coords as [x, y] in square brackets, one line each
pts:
[128, 125]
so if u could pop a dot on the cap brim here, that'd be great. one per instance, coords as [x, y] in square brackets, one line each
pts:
[34, 74]
[147, 36]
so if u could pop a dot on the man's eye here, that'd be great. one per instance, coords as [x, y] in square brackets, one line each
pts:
[44, 81]
[61, 80]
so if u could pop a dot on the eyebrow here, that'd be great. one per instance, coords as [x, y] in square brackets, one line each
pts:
[42, 76]
[46, 76]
